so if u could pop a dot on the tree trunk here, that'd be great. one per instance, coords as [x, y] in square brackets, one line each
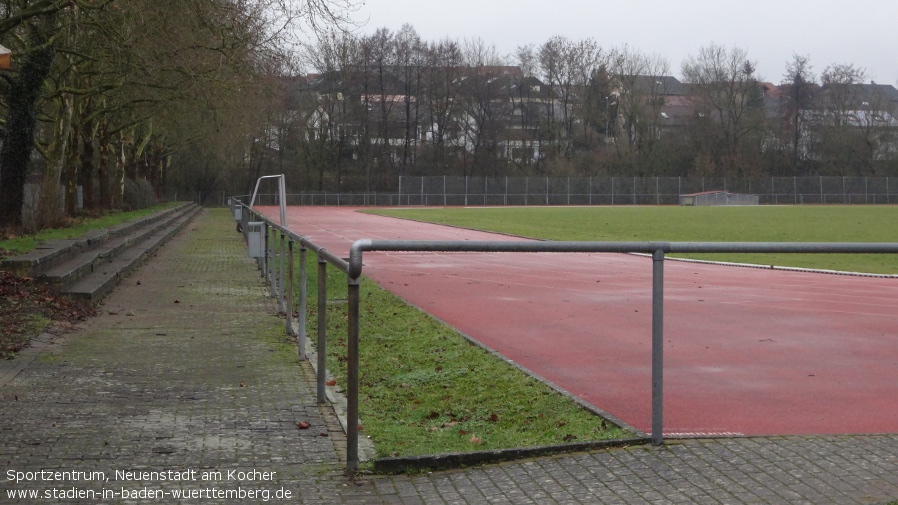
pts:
[105, 148]
[21, 97]
[86, 175]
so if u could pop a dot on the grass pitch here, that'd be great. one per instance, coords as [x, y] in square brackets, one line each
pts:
[831, 223]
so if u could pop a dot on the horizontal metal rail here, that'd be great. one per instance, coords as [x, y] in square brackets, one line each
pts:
[535, 246]
[658, 250]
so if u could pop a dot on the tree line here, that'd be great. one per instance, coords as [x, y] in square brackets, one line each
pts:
[388, 104]
[104, 93]
[180, 97]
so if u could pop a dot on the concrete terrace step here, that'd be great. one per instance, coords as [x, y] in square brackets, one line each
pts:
[54, 252]
[106, 274]
[89, 266]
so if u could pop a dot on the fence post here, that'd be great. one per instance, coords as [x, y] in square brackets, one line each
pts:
[352, 377]
[280, 267]
[322, 328]
[266, 252]
[301, 314]
[290, 286]
[658, 347]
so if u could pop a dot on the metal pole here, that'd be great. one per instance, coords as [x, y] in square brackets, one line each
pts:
[658, 347]
[290, 286]
[322, 328]
[282, 197]
[352, 377]
[303, 305]
[280, 266]
[266, 252]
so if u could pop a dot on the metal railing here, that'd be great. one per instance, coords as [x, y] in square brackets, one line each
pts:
[353, 270]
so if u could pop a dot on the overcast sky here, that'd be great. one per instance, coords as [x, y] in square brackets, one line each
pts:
[863, 32]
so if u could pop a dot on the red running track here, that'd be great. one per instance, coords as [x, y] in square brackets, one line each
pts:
[747, 351]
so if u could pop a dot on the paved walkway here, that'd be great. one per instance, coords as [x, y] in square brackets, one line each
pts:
[183, 384]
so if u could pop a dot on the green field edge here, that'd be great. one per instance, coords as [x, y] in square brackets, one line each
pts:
[833, 223]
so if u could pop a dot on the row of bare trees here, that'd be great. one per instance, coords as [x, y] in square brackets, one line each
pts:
[390, 104]
[103, 91]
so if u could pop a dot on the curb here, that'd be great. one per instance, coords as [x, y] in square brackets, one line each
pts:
[459, 460]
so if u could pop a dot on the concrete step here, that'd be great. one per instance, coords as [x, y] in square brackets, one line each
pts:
[108, 272]
[53, 253]
[80, 262]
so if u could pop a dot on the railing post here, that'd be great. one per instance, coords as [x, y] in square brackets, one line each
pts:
[280, 268]
[266, 251]
[301, 315]
[352, 377]
[322, 328]
[270, 273]
[658, 347]
[290, 287]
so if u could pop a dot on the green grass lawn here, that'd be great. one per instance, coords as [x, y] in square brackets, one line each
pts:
[707, 224]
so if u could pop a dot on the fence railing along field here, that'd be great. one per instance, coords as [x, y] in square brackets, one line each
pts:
[477, 191]
[277, 243]
[641, 190]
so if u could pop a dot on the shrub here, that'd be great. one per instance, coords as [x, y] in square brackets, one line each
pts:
[138, 194]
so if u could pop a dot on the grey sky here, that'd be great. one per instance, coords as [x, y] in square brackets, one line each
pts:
[863, 32]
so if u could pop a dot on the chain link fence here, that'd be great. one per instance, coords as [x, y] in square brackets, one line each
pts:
[477, 191]
[640, 190]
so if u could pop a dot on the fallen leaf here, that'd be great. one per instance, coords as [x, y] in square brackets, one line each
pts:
[360, 427]
[449, 424]
[332, 382]
[475, 440]
[242, 385]
[177, 301]
[303, 425]
[570, 438]
[493, 418]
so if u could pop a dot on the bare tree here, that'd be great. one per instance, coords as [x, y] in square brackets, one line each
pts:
[796, 106]
[726, 94]
[643, 87]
